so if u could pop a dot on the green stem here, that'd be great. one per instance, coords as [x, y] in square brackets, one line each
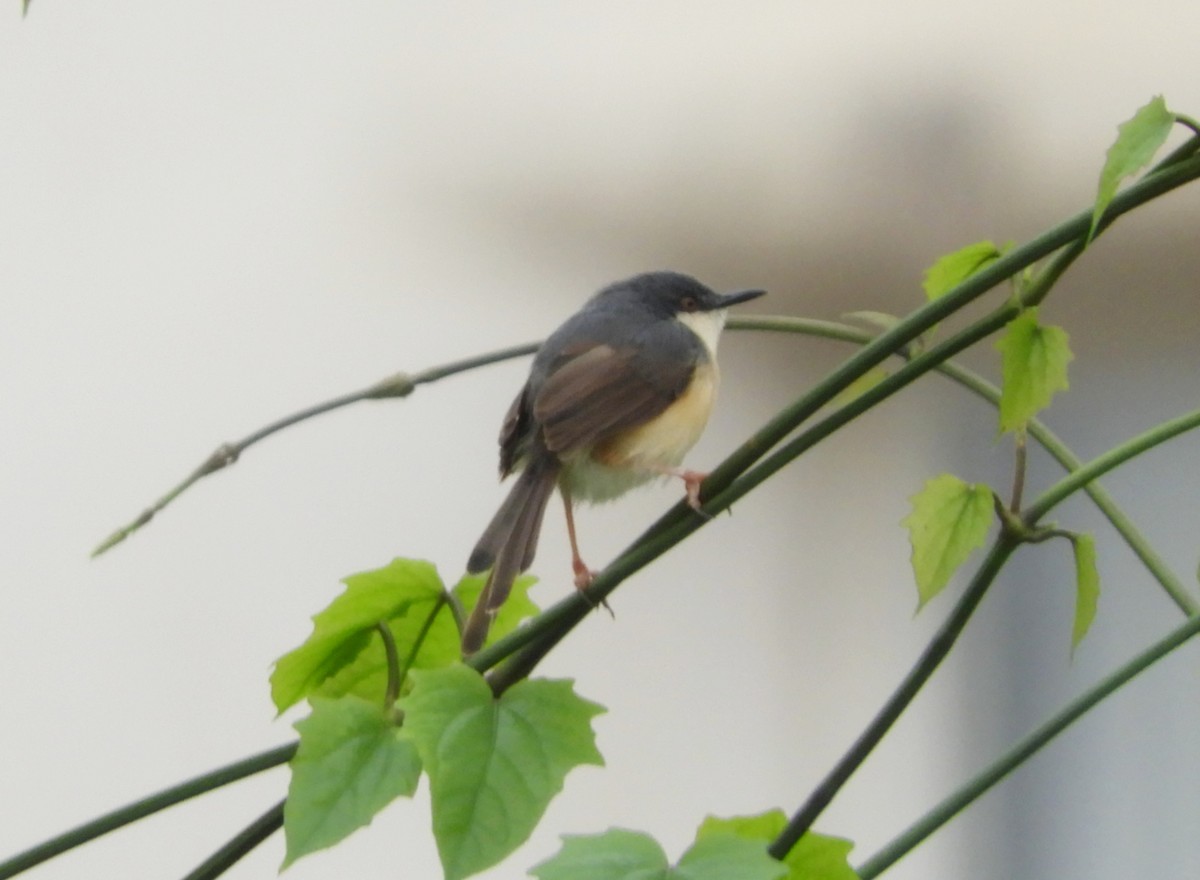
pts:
[145, 807]
[241, 844]
[930, 659]
[1109, 460]
[1188, 122]
[1185, 150]
[392, 691]
[1023, 750]
[442, 599]
[1020, 453]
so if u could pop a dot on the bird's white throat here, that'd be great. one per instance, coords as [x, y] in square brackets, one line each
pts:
[706, 325]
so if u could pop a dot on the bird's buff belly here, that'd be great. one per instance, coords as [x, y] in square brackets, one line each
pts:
[645, 453]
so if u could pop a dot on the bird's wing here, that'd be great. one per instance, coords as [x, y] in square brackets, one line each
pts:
[598, 390]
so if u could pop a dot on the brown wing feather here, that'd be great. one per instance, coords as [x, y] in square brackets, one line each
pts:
[600, 391]
[513, 431]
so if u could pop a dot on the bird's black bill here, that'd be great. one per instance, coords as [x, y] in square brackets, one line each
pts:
[741, 296]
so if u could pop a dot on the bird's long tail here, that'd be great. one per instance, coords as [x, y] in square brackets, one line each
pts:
[508, 544]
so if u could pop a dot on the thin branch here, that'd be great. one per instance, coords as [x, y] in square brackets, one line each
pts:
[397, 385]
[241, 844]
[1020, 456]
[935, 652]
[393, 664]
[1188, 122]
[1102, 464]
[1023, 750]
[444, 598]
[145, 807]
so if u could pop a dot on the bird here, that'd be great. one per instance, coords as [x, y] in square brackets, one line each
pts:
[616, 397]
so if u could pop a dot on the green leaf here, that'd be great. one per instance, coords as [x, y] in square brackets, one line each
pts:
[1138, 139]
[439, 638]
[493, 764]
[1087, 587]
[952, 269]
[351, 763]
[949, 519]
[1034, 362]
[345, 628]
[616, 854]
[728, 857]
[819, 857]
[814, 857]
[763, 826]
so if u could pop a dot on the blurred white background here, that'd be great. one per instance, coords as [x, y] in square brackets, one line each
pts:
[215, 214]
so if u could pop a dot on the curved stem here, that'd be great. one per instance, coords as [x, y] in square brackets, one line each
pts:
[930, 658]
[444, 597]
[1010, 760]
[1020, 456]
[1188, 122]
[145, 807]
[392, 690]
[1188, 148]
[1102, 464]
[241, 844]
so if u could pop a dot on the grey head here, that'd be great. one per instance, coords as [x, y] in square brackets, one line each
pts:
[666, 295]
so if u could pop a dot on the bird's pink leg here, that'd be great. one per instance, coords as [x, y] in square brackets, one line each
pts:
[583, 574]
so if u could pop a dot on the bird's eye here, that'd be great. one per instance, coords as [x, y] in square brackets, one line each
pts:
[689, 304]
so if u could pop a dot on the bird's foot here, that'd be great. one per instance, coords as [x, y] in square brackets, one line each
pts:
[692, 481]
[583, 575]
[583, 579]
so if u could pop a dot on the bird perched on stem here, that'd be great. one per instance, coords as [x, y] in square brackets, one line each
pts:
[615, 398]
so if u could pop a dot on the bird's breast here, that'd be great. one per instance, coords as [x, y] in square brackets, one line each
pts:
[641, 454]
